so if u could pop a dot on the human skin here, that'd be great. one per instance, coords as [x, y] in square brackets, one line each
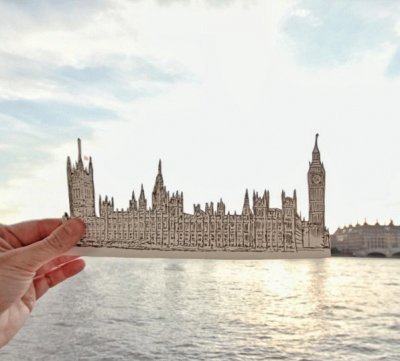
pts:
[32, 262]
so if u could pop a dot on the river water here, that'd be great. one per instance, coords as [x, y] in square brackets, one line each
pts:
[164, 309]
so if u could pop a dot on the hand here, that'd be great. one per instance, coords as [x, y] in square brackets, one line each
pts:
[31, 262]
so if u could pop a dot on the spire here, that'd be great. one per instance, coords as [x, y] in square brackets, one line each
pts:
[246, 198]
[79, 151]
[266, 198]
[132, 202]
[159, 192]
[90, 165]
[316, 143]
[315, 154]
[295, 200]
[142, 199]
[221, 207]
[246, 204]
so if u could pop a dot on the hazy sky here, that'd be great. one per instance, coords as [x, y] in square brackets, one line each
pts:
[229, 94]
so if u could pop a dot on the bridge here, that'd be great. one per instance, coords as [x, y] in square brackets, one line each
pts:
[378, 252]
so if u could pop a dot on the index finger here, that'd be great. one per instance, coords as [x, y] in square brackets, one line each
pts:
[25, 233]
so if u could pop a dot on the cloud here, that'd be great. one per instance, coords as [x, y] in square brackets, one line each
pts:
[212, 3]
[37, 124]
[221, 102]
[47, 14]
[29, 130]
[331, 33]
[50, 14]
[393, 68]
[43, 104]
[51, 114]
[116, 75]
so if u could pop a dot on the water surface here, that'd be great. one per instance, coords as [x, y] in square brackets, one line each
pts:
[158, 309]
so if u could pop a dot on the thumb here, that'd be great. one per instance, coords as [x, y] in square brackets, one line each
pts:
[58, 242]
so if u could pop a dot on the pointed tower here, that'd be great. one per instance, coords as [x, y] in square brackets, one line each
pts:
[246, 204]
[142, 200]
[316, 188]
[133, 203]
[316, 197]
[80, 187]
[80, 162]
[260, 204]
[221, 207]
[159, 195]
[266, 198]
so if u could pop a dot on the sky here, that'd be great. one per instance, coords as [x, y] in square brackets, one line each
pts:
[228, 93]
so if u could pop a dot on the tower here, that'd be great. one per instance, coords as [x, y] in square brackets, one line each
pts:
[159, 195]
[133, 203]
[246, 204]
[142, 200]
[261, 204]
[289, 212]
[80, 187]
[316, 197]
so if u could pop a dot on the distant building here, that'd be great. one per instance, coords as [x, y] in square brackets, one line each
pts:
[165, 225]
[367, 240]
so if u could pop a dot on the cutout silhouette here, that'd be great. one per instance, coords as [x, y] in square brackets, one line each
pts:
[165, 230]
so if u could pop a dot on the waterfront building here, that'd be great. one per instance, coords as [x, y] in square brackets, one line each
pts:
[367, 240]
[166, 226]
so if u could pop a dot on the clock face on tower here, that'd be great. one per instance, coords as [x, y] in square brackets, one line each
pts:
[316, 179]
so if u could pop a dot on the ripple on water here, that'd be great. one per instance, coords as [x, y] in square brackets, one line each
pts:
[182, 310]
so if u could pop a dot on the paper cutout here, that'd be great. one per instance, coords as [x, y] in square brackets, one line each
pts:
[165, 230]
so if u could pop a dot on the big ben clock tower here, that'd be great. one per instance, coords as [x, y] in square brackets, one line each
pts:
[316, 198]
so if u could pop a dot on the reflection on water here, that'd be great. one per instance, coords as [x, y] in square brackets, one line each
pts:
[143, 309]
